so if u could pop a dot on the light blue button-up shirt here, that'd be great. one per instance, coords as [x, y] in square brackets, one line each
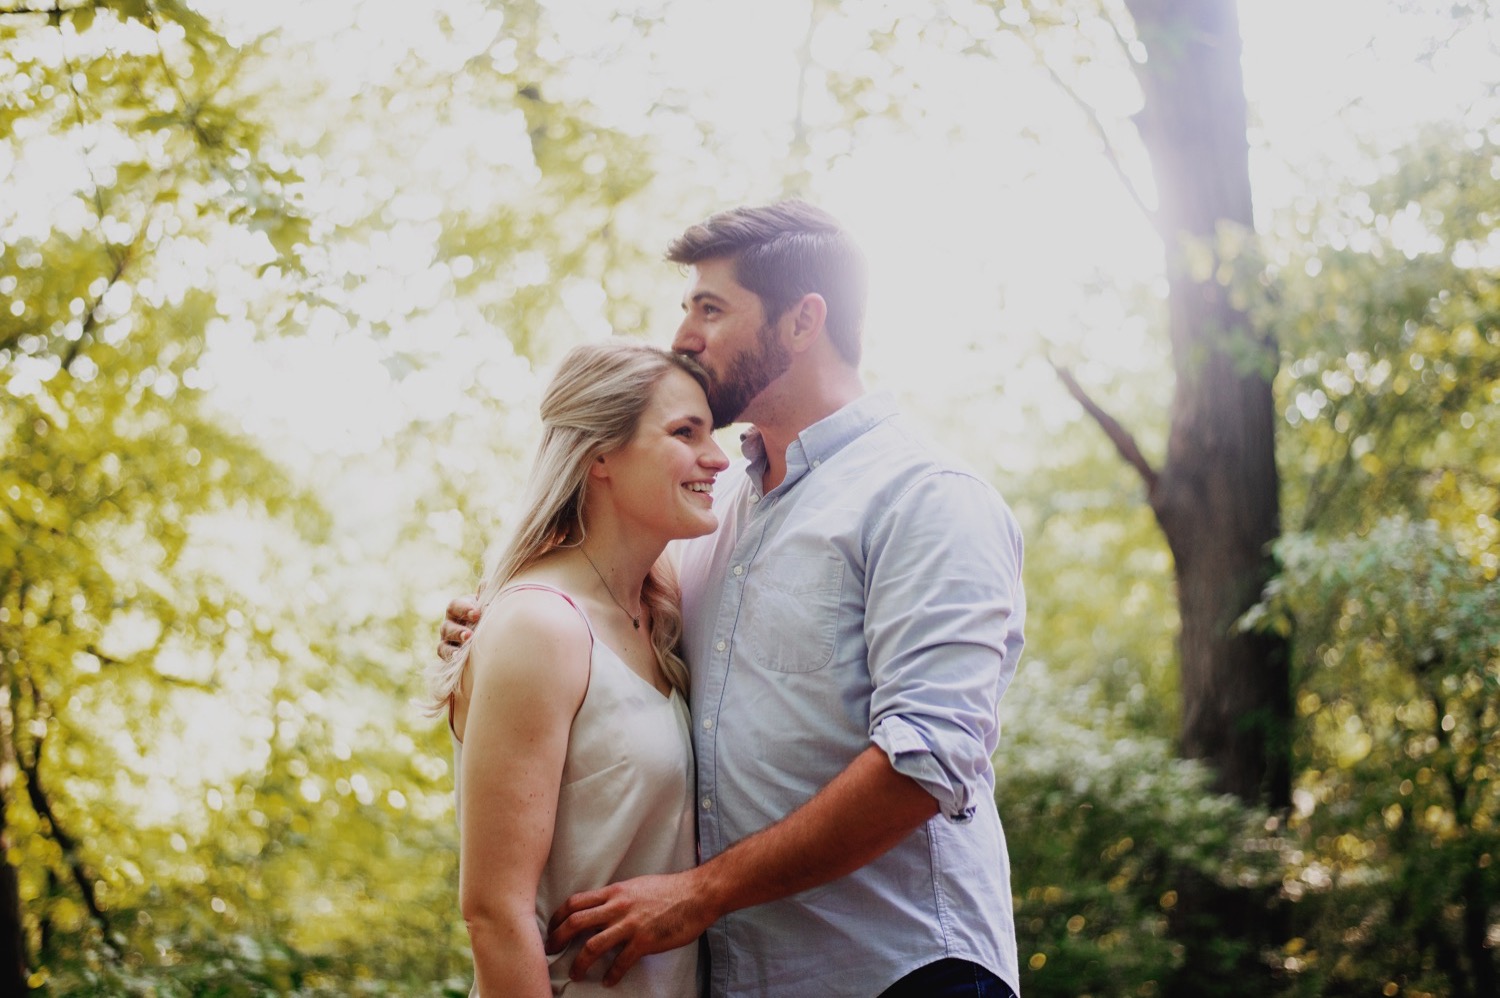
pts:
[873, 597]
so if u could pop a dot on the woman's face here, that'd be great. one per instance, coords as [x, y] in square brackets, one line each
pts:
[663, 478]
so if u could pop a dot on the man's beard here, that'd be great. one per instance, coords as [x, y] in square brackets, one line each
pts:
[747, 377]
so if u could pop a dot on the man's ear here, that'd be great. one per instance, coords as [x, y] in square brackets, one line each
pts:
[806, 319]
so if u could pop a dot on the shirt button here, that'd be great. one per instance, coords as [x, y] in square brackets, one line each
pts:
[754, 500]
[708, 804]
[708, 724]
[721, 645]
[739, 570]
[816, 463]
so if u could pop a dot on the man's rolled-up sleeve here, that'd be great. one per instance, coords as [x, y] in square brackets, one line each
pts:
[944, 613]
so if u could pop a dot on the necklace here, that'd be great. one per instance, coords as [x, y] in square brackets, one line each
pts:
[635, 618]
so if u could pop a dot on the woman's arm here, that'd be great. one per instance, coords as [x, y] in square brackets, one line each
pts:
[528, 671]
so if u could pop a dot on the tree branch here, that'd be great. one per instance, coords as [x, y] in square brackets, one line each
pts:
[88, 154]
[799, 151]
[69, 845]
[1114, 27]
[1097, 126]
[189, 108]
[119, 260]
[91, 314]
[178, 681]
[52, 11]
[1124, 443]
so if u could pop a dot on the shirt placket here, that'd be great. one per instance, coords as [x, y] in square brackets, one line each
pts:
[710, 823]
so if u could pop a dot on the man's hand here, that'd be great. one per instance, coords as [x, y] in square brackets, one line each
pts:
[644, 915]
[463, 614]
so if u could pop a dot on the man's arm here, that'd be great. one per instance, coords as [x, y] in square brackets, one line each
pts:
[861, 814]
[943, 616]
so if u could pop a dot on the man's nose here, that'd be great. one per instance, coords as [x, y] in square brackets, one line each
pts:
[686, 340]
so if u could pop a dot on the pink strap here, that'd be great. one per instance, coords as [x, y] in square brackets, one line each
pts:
[546, 589]
[549, 589]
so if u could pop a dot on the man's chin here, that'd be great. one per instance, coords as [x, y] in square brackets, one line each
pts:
[725, 415]
[736, 408]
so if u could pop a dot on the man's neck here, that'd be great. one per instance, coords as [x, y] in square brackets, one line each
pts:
[780, 428]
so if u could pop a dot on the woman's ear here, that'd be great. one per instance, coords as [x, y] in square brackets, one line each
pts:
[599, 468]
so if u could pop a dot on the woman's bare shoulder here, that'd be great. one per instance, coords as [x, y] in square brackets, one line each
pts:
[534, 635]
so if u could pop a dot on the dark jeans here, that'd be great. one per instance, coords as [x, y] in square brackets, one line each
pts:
[949, 979]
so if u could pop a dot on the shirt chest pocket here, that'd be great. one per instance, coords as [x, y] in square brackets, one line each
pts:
[791, 607]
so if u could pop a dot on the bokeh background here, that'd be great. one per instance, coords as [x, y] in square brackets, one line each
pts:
[279, 282]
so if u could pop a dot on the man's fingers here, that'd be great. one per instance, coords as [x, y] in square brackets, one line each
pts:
[464, 611]
[627, 959]
[449, 641]
[628, 920]
[454, 634]
[579, 912]
[566, 931]
[597, 945]
[582, 901]
[462, 615]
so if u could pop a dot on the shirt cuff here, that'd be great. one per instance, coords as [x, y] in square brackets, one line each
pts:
[911, 756]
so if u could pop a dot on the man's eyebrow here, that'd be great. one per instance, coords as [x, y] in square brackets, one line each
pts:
[704, 295]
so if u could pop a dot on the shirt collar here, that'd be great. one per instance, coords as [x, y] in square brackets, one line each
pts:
[831, 434]
[820, 441]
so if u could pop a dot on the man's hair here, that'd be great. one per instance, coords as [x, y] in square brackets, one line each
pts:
[783, 251]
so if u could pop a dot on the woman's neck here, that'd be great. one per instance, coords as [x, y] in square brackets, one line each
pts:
[620, 562]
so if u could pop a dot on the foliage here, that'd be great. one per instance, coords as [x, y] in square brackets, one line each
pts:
[110, 454]
[214, 779]
[1398, 822]
[1091, 543]
[221, 784]
[1104, 827]
[1391, 304]
[1386, 298]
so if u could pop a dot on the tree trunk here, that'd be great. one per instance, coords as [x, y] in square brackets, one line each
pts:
[1217, 496]
[12, 932]
[12, 928]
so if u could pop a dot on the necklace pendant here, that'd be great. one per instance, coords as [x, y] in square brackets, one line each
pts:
[637, 622]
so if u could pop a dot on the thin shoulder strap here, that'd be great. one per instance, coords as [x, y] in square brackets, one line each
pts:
[549, 589]
[546, 589]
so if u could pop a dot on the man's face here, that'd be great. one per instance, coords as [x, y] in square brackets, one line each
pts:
[724, 328]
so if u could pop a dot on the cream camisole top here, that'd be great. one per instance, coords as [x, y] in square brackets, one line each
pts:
[625, 809]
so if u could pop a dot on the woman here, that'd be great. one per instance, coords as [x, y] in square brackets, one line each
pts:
[567, 704]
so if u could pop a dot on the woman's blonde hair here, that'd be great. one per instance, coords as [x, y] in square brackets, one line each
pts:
[592, 407]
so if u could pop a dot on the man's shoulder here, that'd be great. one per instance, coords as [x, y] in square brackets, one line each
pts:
[900, 451]
[915, 472]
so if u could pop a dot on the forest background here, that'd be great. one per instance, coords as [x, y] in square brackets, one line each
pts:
[279, 283]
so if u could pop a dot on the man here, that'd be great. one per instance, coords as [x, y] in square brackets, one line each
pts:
[850, 628]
